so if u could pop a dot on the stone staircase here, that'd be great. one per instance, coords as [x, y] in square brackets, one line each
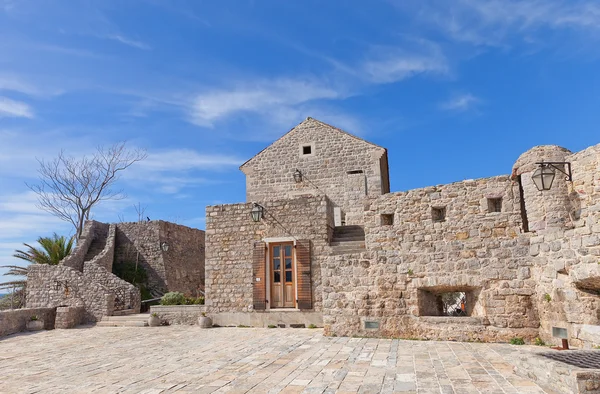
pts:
[125, 318]
[98, 244]
[348, 240]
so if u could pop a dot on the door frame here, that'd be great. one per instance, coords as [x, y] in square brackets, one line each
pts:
[268, 273]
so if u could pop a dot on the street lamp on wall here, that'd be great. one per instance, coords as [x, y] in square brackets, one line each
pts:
[544, 175]
[297, 176]
[164, 246]
[257, 212]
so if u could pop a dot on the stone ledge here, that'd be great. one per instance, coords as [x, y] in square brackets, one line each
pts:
[466, 320]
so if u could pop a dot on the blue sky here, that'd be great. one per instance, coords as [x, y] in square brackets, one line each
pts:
[454, 89]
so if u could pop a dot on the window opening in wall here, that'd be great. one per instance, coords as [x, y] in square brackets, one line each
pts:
[438, 214]
[307, 149]
[456, 302]
[387, 219]
[522, 206]
[494, 204]
[355, 172]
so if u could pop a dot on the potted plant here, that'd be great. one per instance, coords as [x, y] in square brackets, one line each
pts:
[204, 321]
[35, 324]
[154, 320]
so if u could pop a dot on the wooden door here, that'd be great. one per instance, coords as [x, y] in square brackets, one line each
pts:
[283, 272]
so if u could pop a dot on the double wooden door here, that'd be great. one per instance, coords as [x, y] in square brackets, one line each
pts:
[283, 272]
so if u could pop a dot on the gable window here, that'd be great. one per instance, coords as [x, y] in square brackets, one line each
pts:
[306, 150]
[438, 214]
[494, 204]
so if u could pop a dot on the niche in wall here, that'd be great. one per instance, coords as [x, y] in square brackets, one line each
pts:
[457, 301]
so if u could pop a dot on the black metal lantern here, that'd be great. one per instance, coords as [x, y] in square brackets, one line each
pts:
[257, 212]
[544, 175]
[297, 176]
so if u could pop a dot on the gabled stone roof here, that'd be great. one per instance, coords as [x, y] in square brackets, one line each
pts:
[309, 119]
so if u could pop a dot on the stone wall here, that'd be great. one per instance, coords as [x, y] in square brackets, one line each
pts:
[331, 169]
[184, 259]
[69, 316]
[231, 233]
[57, 285]
[180, 268]
[178, 314]
[565, 247]
[15, 320]
[473, 250]
[105, 258]
[77, 256]
[127, 296]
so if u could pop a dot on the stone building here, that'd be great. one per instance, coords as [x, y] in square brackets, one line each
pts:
[487, 259]
[172, 256]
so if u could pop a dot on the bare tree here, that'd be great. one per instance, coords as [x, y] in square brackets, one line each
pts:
[69, 188]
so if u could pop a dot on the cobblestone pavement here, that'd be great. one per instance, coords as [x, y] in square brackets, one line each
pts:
[187, 359]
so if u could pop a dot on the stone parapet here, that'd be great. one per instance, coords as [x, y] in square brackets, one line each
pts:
[15, 320]
[179, 314]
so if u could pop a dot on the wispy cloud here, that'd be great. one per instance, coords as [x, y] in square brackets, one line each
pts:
[393, 64]
[261, 96]
[16, 109]
[129, 42]
[462, 102]
[186, 159]
[492, 22]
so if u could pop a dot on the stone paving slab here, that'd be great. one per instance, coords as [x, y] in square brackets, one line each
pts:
[187, 359]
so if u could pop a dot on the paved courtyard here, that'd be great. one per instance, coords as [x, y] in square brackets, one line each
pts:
[186, 359]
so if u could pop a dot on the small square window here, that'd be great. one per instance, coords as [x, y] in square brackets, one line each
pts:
[438, 214]
[307, 150]
[387, 219]
[494, 204]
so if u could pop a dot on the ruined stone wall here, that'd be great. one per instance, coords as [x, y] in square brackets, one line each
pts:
[334, 153]
[140, 242]
[184, 259]
[231, 233]
[565, 249]
[106, 258]
[127, 296]
[180, 268]
[57, 285]
[77, 256]
[484, 253]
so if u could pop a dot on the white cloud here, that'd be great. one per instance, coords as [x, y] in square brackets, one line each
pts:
[262, 96]
[391, 64]
[16, 109]
[461, 102]
[491, 22]
[186, 159]
[129, 42]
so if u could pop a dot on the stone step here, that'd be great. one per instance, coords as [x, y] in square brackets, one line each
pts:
[340, 251]
[130, 323]
[136, 317]
[125, 312]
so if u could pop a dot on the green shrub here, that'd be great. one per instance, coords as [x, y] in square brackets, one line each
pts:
[173, 298]
[312, 326]
[194, 300]
[272, 326]
[34, 318]
[410, 271]
[539, 342]
[547, 297]
[243, 326]
[517, 341]
[130, 273]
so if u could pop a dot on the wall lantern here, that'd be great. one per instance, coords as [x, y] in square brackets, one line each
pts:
[164, 246]
[544, 175]
[257, 212]
[297, 176]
